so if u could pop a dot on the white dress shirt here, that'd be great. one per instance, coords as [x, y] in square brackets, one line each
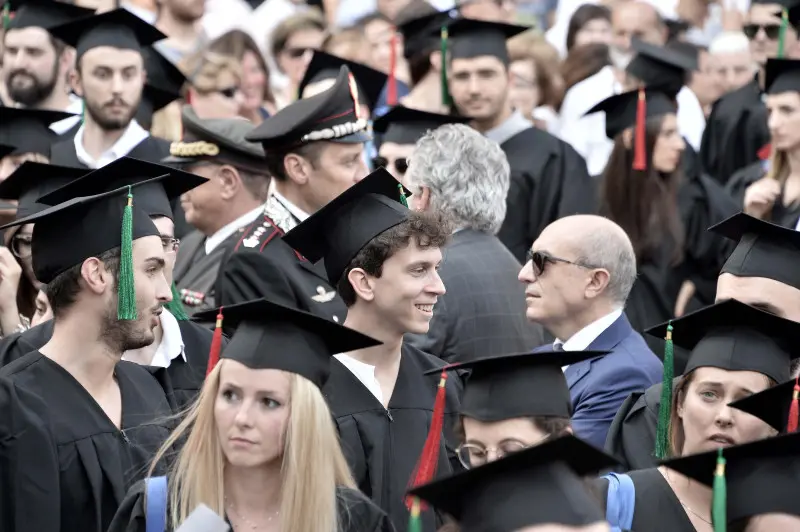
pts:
[365, 373]
[75, 107]
[171, 345]
[691, 118]
[582, 339]
[220, 236]
[134, 134]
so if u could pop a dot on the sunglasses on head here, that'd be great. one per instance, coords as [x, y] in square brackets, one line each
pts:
[400, 164]
[540, 259]
[772, 31]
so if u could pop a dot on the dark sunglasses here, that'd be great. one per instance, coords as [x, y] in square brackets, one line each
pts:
[230, 92]
[296, 53]
[772, 31]
[540, 259]
[400, 164]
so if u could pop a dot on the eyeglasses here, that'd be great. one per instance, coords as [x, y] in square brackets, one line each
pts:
[772, 31]
[170, 244]
[473, 455]
[21, 246]
[400, 164]
[540, 259]
[298, 52]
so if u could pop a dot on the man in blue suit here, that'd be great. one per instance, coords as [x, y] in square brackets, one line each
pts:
[578, 276]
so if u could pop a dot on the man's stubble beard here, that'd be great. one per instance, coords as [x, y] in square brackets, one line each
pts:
[110, 124]
[37, 93]
[121, 335]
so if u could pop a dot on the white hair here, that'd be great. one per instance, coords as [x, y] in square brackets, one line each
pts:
[729, 42]
[467, 174]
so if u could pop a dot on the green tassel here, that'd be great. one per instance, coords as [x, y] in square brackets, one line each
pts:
[782, 34]
[403, 199]
[662, 432]
[175, 307]
[6, 15]
[446, 101]
[719, 499]
[414, 521]
[126, 293]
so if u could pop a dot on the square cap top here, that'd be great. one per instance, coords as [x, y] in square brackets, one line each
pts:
[761, 476]
[334, 115]
[782, 75]
[325, 66]
[44, 13]
[271, 336]
[161, 72]
[67, 234]
[401, 125]
[28, 130]
[733, 336]
[764, 249]
[474, 38]
[33, 180]
[518, 385]
[536, 486]
[118, 29]
[659, 67]
[153, 197]
[620, 109]
[421, 34]
[770, 406]
[339, 230]
[153, 99]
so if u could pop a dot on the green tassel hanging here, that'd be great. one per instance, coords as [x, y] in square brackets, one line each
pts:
[662, 431]
[446, 101]
[403, 199]
[6, 15]
[414, 521]
[126, 293]
[175, 307]
[782, 34]
[719, 499]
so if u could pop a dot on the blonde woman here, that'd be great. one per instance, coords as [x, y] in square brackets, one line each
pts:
[213, 88]
[260, 446]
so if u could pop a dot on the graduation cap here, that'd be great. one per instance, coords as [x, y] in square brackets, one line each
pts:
[782, 75]
[776, 406]
[43, 13]
[333, 115]
[154, 197]
[421, 34]
[763, 250]
[539, 485]
[325, 66]
[339, 230]
[6, 149]
[161, 72]
[118, 29]
[32, 180]
[402, 125]
[28, 130]
[272, 336]
[470, 38]
[755, 478]
[659, 67]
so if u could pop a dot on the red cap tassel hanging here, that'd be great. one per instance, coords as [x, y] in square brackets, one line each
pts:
[794, 408]
[391, 86]
[216, 344]
[639, 148]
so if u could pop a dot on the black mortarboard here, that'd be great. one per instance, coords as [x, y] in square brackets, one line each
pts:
[333, 115]
[219, 140]
[421, 34]
[44, 13]
[326, 66]
[68, 233]
[771, 405]
[620, 109]
[6, 149]
[761, 477]
[161, 72]
[402, 125]
[518, 385]
[660, 68]
[736, 337]
[764, 249]
[33, 180]
[782, 75]
[539, 485]
[153, 99]
[153, 197]
[271, 336]
[339, 230]
[118, 29]
[28, 130]
[470, 38]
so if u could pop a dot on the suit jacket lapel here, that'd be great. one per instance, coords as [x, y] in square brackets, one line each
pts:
[605, 341]
[190, 245]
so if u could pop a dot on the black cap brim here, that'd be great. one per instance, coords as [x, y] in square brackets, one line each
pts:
[771, 405]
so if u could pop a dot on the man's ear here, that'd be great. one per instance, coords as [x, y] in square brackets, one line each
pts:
[95, 275]
[297, 168]
[361, 282]
[230, 181]
[597, 283]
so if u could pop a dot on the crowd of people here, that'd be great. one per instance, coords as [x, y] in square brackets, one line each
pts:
[352, 266]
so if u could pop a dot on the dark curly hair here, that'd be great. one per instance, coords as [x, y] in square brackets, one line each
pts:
[429, 230]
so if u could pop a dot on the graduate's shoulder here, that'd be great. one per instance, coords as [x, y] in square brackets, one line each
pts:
[18, 369]
[734, 102]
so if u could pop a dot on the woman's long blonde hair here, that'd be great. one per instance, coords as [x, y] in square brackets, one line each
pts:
[312, 468]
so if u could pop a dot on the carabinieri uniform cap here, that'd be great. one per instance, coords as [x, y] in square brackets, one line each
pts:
[118, 29]
[402, 125]
[216, 140]
[334, 115]
[33, 180]
[339, 230]
[764, 249]
[471, 38]
[28, 130]
[43, 13]
[776, 406]
[660, 68]
[537, 486]
[270, 336]
[622, 109]
[326, 67]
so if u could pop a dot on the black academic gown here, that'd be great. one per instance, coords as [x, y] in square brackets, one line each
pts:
[549, 180]
[735, 131]
[383, 445]
[356, 513]
[783, 215]
[87, 464]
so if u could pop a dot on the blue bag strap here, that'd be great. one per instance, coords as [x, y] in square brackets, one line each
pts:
[156, 508]
[621, 501]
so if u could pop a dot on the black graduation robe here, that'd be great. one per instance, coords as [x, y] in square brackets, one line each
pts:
[356, 512]
[782, 214]
[85, 464]
[383, 445]
[735, 131]
[549, 180]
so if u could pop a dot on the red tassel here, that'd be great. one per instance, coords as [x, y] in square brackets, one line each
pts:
[216, 344]
[426, 467]
[765, 152]
[794, 409]
[391, 87]
[639, 149]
